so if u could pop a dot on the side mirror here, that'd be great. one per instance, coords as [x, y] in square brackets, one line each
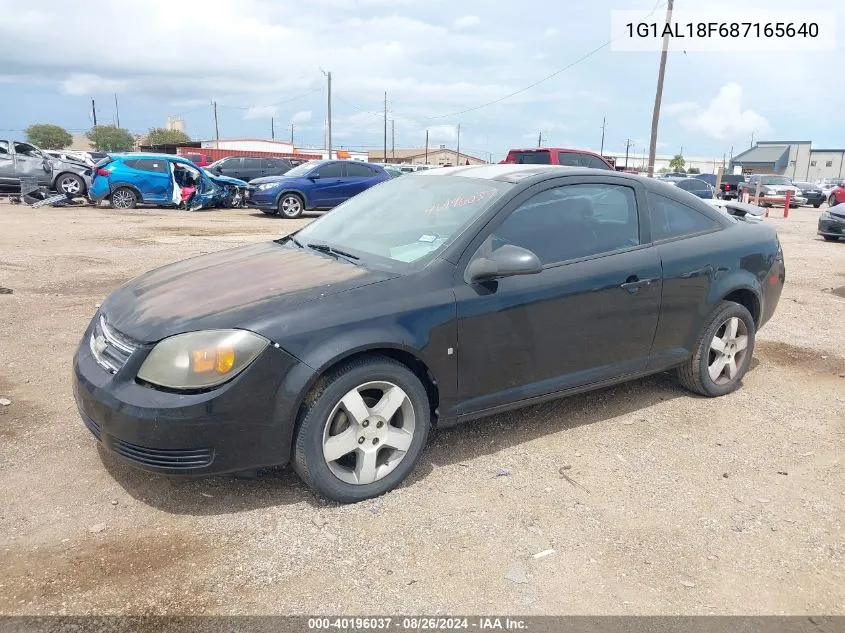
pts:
[314, 176]
[506, 261]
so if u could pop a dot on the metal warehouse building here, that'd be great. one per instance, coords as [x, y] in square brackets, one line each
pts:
[794, 159]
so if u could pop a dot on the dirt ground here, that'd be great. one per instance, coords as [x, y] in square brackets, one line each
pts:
[674, 504]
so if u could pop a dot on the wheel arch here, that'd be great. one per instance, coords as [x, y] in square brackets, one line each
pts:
[395, 351]
[117, 185]
[748, 297]
[58, 177]
[298, 192]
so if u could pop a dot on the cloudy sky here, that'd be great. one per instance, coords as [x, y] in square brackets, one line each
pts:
[438, 60]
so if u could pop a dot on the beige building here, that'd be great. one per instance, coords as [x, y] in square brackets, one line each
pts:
[436, 156]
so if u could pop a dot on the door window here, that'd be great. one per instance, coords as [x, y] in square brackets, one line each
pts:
[231, 163]
[151, 164]
[671, 219]
[356, 170]
[573, 221]
[573, 159]
[251, 163]
[595, 163]
[532, 158]
[27, 150]
[331, 170]
[4, 147]
[271, 163]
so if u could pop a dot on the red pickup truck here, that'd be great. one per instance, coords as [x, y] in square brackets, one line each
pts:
[556, 156]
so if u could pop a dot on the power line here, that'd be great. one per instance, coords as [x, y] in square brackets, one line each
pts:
[539, 81]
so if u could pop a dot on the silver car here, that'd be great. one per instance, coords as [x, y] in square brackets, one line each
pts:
[71, 175]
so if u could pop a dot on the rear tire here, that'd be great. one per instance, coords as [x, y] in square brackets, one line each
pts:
[722, 353]
[291, 206]
[123, 198]
[830, 238]
[817, 205]
[70, 184]
[349, 453]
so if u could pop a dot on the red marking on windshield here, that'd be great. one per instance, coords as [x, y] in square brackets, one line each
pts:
[462, 201]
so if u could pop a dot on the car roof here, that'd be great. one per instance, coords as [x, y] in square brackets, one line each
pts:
[553, 149]
[506, 172]
[151, 156]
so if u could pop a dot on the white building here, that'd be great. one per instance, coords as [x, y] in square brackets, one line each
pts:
[283, 147]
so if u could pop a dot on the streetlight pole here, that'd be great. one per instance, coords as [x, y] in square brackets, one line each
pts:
[329, 111]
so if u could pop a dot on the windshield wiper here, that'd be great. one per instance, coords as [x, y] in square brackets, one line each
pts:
[330, 250]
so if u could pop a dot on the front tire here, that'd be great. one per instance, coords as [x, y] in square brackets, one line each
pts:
[291, 206]
[832, 201]
[123, 198]
[816, 205]
[722, 352]
[830, 238]
[362, 429]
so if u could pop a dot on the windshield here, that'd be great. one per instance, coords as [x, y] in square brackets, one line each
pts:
[405, 219]
[775, 180]
[301, 170]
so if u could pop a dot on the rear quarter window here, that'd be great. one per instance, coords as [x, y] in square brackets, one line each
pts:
[672, 219]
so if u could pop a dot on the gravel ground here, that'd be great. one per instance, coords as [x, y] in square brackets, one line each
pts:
[670, 503]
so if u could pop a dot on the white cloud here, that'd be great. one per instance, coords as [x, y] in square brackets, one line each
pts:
[466, 21]
[261, 112]
[551, 32]
[303, 116]
[87, 84]
[724, 118]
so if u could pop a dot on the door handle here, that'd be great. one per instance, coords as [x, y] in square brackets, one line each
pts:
[634, 283]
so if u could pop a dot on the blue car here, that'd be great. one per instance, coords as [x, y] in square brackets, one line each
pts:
[317, 184]
[696, 186]
[126, 180]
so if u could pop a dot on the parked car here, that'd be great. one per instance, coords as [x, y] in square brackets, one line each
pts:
[249, 168]
[199, 159]
[696, 187]
[71, 174]
[161, 179]
[556, 156]
[813, 194]
[832, 224]
[728, 186]
[23, 159]
[392, 171]
[317, 184]
[772, 186]
[432, 299]
[836, 196]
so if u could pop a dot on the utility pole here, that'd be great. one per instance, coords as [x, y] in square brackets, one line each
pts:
[628, 144]
[392, 139]
[426, 147]
[116, 110]
[540, 140]
[329, 111]
[658, 97]
[291, 133]
[272, 128]
[458, 161]
[681, 152]
[384, 154]
[603, 120]
[752, 132]
[216, 127]
[94, 112]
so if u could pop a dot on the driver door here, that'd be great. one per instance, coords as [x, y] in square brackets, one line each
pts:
[588, 316]
[29, 161]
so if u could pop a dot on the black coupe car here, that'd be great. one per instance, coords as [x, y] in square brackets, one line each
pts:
[428, 300]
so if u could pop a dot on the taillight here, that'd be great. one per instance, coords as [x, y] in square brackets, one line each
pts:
[727, 187]
[102, 172]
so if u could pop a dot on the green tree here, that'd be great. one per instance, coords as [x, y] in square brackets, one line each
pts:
[110, 138]
[693, 170]
[677, 163]
[160, 136]
[48, 136]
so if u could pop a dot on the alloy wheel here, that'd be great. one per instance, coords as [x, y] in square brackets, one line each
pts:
[727, 351]
[369, 432]
[70, 184]
[291, 206]
[122, 199]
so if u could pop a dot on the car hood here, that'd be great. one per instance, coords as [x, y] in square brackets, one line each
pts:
[226, 179]
[287, 179]
[235, 288]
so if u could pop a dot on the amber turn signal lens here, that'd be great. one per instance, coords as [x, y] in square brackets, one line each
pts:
[225, 359]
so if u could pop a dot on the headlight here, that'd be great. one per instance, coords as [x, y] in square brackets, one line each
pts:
[198, 360]
[826, 215]
[267, 185]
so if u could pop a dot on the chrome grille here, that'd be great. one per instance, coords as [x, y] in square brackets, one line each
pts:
[110, 348]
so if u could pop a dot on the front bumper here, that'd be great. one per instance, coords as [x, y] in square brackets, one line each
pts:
[244, 424]
[259, 199]
[817, 198]
[832, 227]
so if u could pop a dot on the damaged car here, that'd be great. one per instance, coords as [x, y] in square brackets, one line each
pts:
[126, 180]
[71, 174]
